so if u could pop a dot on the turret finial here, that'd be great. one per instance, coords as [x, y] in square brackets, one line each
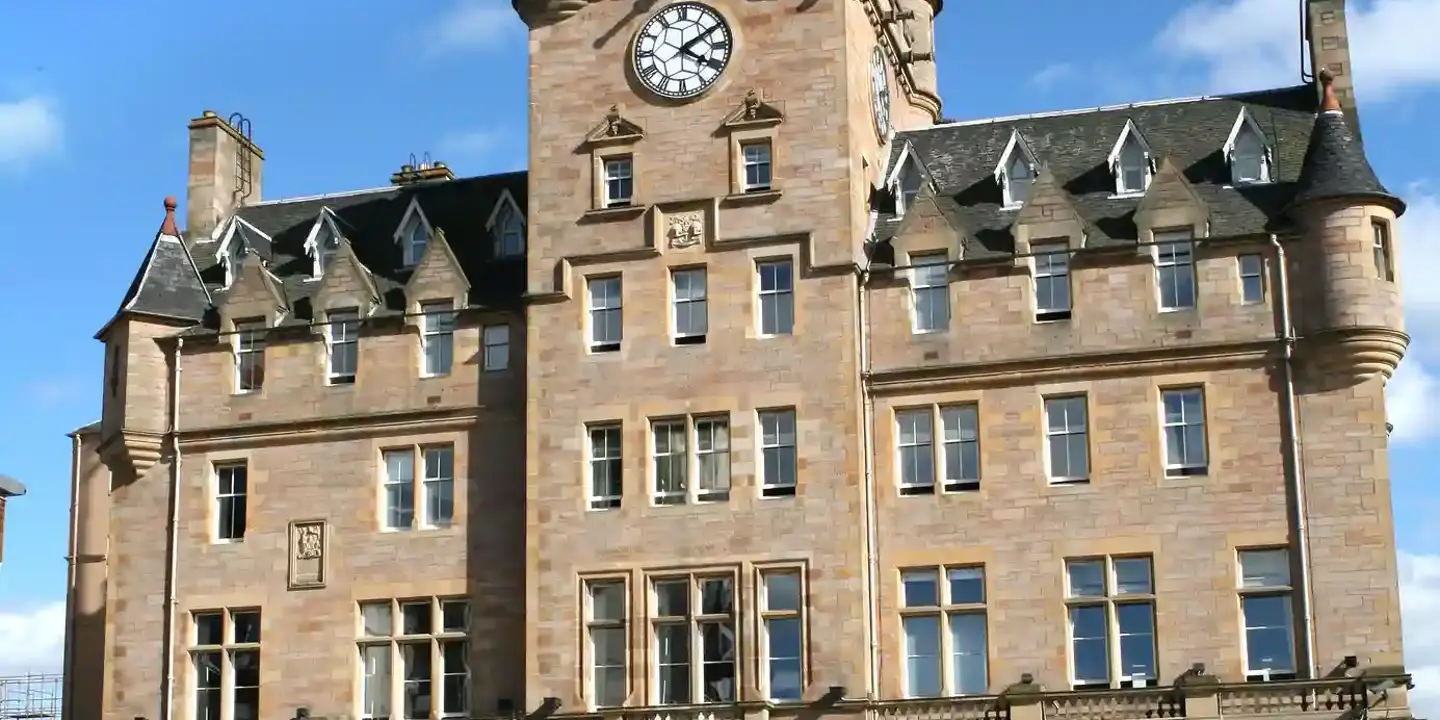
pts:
[168, 226]
[1328, 101]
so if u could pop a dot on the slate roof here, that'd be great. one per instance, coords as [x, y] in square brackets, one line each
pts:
[1336, 166]
[961, 158]
[10, 487]
[167, 284]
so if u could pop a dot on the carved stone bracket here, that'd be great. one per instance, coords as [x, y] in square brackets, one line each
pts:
[309, 546]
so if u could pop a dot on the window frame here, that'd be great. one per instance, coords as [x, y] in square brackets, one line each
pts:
[1132, 143]
[421, 487]
[1261, 157]
[1174, 250]
[415, 240]
[769, 488]
[617, 173]
[436, 639]
[938, 446]
[763, 166]
[921, 286]
[694, 619]
[592, 624]
[1258, 274]
[248, 351]
[342, 333]
[438, 321]
[1187, 467]
[1110, 601]
[1043, 266]
[1284, 592]
[781, 297]
[239, 499]
[689, 336]
[1382, 247]
[1068, 432]
[766, 615]
[944, 610]
[692, 494]
[1010, 180]
[501, 346]
[606, 501]
[510, 224]
[225, 652]
[594, 311]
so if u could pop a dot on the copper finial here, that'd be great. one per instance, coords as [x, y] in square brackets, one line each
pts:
[1328, 101]
[168, 226]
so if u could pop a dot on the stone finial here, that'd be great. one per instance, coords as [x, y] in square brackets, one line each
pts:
[167, 227]
[1328, 102]
[752, 105]
[612, 121]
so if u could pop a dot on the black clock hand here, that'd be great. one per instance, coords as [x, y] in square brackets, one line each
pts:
[686, 47]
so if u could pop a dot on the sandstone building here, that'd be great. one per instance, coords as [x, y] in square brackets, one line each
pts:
[765, 391]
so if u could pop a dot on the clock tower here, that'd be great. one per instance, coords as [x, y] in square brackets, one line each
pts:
[699, 184]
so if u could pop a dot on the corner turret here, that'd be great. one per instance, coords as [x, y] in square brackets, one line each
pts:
[166, 296]
[1348, 304]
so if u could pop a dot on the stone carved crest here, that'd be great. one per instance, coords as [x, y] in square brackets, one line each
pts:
[307, 554]
[686, 230]
[308, 542]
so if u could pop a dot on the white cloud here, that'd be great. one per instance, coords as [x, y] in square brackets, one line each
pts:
[33, 638]
[1414, 392]
[475, 25]
[30, 129]
[1250, 44]
[1420, 607]
[1051, 75]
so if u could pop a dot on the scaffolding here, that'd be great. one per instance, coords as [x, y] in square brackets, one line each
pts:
[30, 697]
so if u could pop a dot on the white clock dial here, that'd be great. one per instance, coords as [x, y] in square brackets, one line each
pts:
[681, 50]
[879, 92]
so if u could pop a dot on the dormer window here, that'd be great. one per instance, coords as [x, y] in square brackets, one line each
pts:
[234, 254]
[1248, 152]
[509, 231]
[323, 244]
[1131, 162]
[413, 235]
[1015, 172]
[910, 182]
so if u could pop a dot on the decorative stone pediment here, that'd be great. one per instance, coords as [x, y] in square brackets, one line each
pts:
[347, 282]
[615, 129]
[1171, 202]
[437, 276]
[753, 112]
[256, 292]
[931, 224]
[1050, 212]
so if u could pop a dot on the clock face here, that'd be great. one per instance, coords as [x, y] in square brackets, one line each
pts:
[681, 51]
[879, 92]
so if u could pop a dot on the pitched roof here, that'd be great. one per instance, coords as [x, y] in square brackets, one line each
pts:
[167, 283]
[962, 156]
[368, 220]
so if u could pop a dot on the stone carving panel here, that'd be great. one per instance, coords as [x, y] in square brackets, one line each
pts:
[685, 230]
[309, 543]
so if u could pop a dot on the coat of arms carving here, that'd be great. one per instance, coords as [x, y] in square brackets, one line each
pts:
[686, 231]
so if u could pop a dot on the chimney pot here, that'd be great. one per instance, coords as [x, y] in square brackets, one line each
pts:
[209, 114]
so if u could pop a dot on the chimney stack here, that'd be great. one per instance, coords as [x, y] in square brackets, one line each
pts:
[1329, 41]
[411, 174]
[225, 171]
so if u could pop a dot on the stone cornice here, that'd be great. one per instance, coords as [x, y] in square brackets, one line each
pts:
[334, 427]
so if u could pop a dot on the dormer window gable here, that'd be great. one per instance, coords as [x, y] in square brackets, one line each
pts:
[323, 242]
[233, 246]
[506, 226]
[1016, 171]
[906, 179]
[413, 234]
[1247, 151]
[1131, 162]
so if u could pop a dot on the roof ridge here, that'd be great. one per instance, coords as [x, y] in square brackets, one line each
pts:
[384, 188]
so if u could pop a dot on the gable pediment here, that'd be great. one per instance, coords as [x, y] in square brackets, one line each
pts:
[438, 275]
[347, 282]
[931, 224]
[753, 112]
[615, 129]
[256, 292]
[1049, 213]
[1171, 200]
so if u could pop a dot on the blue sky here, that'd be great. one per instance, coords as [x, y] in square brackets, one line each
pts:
[94, 98]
